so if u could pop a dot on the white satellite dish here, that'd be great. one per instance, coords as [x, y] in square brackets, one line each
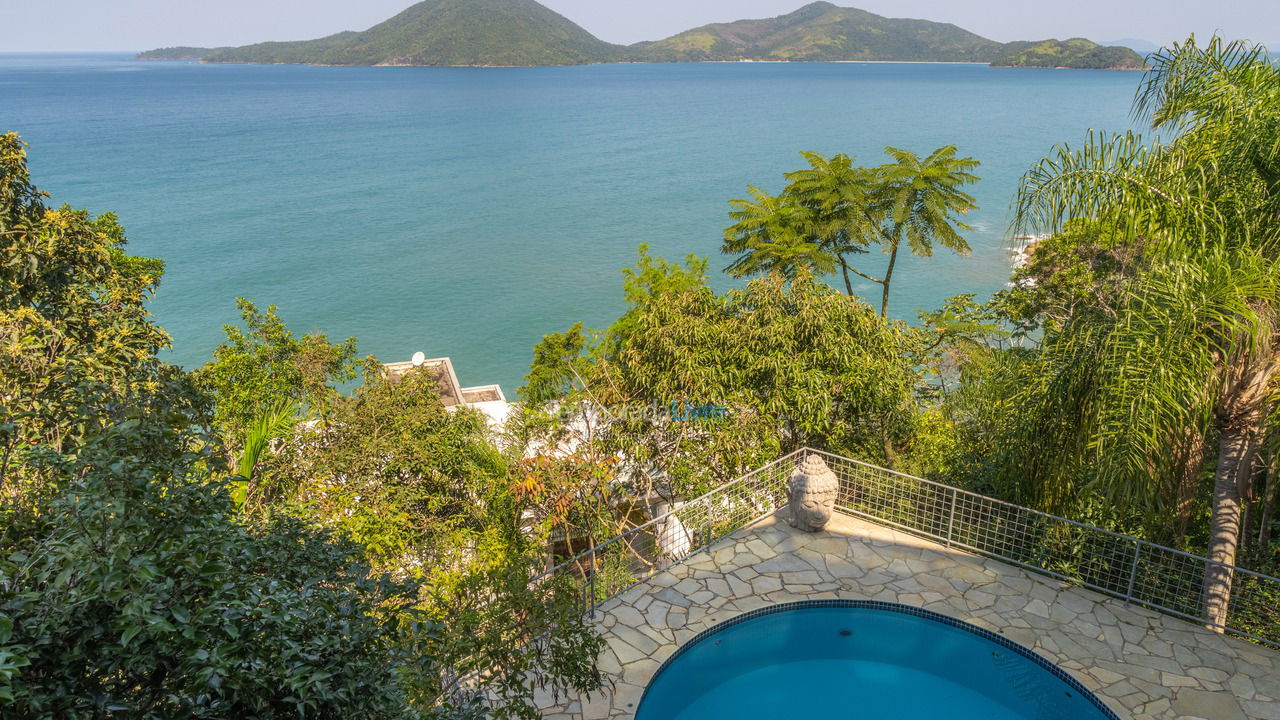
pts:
[419, 359]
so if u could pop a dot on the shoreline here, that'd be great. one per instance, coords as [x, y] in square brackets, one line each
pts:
[651, 62]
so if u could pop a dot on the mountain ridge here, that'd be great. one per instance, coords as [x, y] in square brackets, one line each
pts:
[824, 31]
[527, 33]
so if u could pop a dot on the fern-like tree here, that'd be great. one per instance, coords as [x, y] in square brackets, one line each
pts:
[1186, 353]
[775, 235]
[843, 204]
[834, 210]
[924, 199]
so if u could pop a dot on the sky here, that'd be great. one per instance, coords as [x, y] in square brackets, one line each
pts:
[144, 24]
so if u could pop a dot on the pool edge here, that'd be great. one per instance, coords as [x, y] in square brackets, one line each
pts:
[881, 605]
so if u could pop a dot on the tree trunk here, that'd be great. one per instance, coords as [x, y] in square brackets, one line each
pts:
[1224, 531]
[1240, 415]
[888, 276]
[844, 268]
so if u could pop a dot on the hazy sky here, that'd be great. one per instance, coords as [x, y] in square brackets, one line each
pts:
[144, 24]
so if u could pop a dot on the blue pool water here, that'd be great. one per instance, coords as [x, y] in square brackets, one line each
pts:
[470, 211]
[863, 661]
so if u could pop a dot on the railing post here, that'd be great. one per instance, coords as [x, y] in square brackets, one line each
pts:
[951, 517]
[591, 585]
[1133, 572]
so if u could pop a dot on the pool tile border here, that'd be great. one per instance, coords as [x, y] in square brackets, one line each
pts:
[881, 605]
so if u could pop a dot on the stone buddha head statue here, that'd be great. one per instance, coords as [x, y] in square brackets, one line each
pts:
[811, 494]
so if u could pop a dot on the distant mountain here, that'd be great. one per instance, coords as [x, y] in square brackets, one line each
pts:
[444, 32]
[178, 53]
[1073, 53]
[525, 33]
[822, 31]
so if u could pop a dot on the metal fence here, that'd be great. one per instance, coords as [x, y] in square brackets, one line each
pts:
[1136, 571]
[616, 565]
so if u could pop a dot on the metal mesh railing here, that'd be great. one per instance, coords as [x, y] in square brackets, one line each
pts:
[616, 565]
[1128, 568]
[1161, 578]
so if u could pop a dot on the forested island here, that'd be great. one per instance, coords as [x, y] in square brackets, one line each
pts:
[526, 33]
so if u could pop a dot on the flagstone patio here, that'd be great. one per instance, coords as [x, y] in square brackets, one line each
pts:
[1142, 664]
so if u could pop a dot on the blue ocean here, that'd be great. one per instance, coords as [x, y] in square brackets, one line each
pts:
[468, 212]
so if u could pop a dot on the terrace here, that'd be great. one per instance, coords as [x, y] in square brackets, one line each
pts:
[1119, 615]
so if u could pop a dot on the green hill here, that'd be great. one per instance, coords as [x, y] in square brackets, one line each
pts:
[444, 32]
[525, 33]
[822, 31]
[177, 53]
[1073, 53]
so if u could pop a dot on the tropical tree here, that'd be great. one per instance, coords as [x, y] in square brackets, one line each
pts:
[276, 422]
[844, 205]
[263, 366]
[1176, 368]
[834, 210]
[133, 589]
[775, 366]
[127, 585]
[424, 494]
[774, 234]
[77, 344]
[923, 198]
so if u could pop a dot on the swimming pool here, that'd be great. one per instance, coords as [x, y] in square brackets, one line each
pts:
[864, 660]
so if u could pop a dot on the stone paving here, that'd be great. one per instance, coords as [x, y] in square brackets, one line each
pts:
[1142, 664]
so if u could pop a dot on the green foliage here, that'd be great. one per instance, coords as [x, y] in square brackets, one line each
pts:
[133, 592]
[424, 494]
[775, 235]
[133, 583]
[923, 198]
[833, 210]
[126, 586]
[178, 53]
[554, 370]
[273, 424]
[263, 367]
[1077, 53]
[794, 363]
[394, 470]
[1156, 315]
[503, 637]
[1081, 270]
[77, 345]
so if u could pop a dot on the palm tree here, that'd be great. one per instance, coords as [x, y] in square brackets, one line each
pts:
[844, 207]
[922, 198]
[773, 234]
[1190, 348]
[841, 209]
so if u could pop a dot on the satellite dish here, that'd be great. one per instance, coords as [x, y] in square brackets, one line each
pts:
[419, 359]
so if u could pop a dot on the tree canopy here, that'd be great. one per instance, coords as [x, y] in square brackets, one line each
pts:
[835, 210]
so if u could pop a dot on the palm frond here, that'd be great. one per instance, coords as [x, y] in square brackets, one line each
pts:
[274, 422]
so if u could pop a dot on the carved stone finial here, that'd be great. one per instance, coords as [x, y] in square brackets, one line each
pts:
[811, 494]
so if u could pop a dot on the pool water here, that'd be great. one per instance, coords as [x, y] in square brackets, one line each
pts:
[863, 660]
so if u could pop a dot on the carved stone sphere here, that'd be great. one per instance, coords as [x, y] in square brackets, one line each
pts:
[811, 494]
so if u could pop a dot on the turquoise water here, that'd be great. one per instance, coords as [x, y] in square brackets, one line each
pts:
[863, 663]
[468, 212]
